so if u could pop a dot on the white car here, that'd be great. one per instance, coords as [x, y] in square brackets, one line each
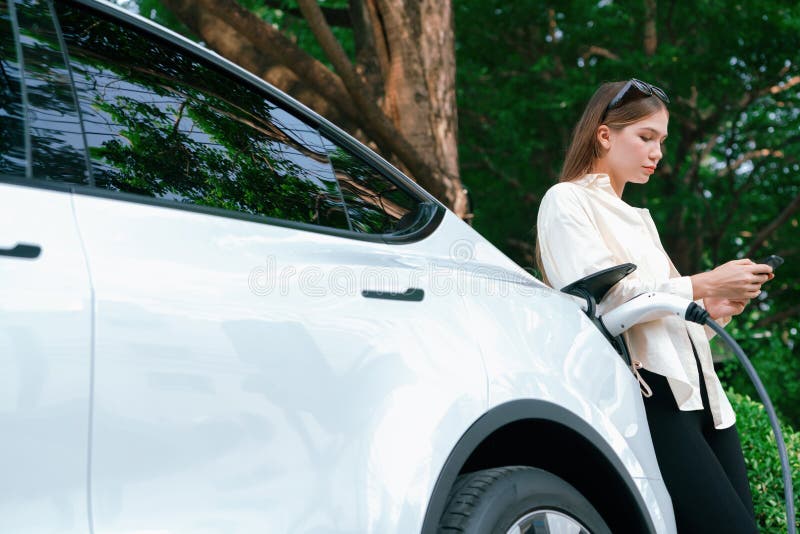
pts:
[219, 314]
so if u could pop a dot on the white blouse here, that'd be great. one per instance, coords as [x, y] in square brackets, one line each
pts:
[583, 227]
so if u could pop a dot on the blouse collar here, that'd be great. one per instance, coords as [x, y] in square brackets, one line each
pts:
[602, 182]
[599, 181]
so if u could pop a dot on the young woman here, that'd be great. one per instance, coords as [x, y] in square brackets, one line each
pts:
[584, 226]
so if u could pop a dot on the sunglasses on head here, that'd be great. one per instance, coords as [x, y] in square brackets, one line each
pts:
[636, 89]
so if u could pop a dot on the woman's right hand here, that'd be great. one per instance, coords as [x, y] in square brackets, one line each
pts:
[736, 279]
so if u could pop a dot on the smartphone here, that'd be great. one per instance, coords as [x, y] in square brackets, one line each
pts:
[773, 261]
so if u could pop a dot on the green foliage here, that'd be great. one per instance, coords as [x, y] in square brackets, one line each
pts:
[777, 363]
[763, 463]
[286, 17]
[155, 11]
[289, 20]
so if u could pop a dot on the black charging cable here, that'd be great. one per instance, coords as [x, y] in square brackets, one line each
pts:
[697, 314]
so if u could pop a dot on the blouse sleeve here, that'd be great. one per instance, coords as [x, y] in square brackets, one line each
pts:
[572, 247]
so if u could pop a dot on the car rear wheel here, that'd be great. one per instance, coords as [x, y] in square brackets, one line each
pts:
[518, 500]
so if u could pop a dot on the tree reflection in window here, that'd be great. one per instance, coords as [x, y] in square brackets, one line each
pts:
[374, 204]
[12, 143]
[56, 144]
[161, 123]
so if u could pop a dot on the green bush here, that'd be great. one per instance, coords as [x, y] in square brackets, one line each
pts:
[763, 463]
[775, 359]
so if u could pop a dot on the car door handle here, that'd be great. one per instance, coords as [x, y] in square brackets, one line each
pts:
[411, 294]
[22, 250]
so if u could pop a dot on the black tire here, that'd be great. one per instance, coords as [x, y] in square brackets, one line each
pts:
[493, 500]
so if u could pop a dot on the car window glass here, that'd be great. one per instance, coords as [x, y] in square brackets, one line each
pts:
[12, 141]
[57, 148]
[374, 203]
[162, 123]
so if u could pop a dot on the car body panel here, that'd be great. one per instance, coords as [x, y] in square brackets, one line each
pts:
[238, 362]
[45, 364]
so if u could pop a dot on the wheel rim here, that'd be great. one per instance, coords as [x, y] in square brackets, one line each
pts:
[547, 522]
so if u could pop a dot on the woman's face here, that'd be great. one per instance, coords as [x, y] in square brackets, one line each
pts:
[632, 153]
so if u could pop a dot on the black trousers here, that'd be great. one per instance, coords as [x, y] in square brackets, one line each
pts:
[703, 468]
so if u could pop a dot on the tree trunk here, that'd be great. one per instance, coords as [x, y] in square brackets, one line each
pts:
[405, 51]
[650, 33]
[400, 97]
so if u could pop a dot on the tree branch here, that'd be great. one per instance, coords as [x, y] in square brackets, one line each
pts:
[372, 54]
[737, 194]
[731, 210]
[599, 51]
[697, 158]
[764, 234]
[339, 18]
[527, 250]
[558, 64]
[747, 156]
[377, 124]
[749, 96]
[780, 87]
[778, 317]
[488, 164]
[650, 35]
[668, 23]
[268, 41]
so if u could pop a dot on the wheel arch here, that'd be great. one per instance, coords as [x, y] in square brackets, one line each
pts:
[506, 434]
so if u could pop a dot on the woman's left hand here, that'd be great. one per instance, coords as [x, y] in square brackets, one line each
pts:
[718, 307]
